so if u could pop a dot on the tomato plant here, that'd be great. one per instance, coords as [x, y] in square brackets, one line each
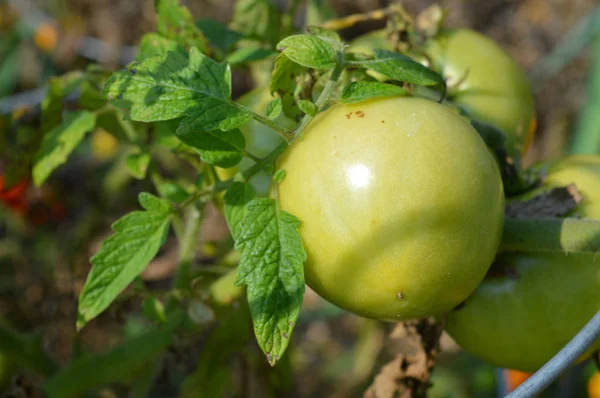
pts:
[388, 217]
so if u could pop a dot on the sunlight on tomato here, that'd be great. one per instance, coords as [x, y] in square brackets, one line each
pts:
[401, 206]
[523, 321]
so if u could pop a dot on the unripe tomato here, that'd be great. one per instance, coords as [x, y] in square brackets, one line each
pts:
[46, 37]
[486, 82]
[483, 79]
[401, 206]
[521, 323]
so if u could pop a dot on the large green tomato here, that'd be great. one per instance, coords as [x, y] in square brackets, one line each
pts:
[522, 323]
[486, 82]
[401, 206]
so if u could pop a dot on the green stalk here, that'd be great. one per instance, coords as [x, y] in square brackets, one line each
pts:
[187, 246]
[568, 235]
[587, 135]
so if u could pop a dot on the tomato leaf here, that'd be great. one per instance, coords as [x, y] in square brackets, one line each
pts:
[249, 53]
[219, 35]
[279, 176]
[309, 51]
[175, 22]
[284, 83]
[307, 107]
[59, 142]
[271, 266]
[236, 198]
[401, 67]
[153, 44]
[171, 86]
[274, 109]
[124, 255]
[361, 91]
[137, 164]
[219, 148]
[259, 19]
[325, 34]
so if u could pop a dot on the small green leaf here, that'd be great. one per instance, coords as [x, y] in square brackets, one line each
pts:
[137, 164]
[58, 89]
[259, 19]
[124, 255]
[309, 51]
[401, 67]
[361, 91]
[175, 22]
[274, 109]
[284, 82]
[249, 53]
[236, 198]
[219, 148]
[279, 176]
[172, 191]
[307, 107]
[60, 142]
[218, 34]
[154, 309]
[153, 44]
[173, 86]
[271, 266]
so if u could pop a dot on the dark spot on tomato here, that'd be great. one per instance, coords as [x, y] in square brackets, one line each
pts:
[348, 115]
[360, 114]
[400, 295]
[383, 121]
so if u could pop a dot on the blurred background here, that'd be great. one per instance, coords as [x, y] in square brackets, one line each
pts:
[44, 258]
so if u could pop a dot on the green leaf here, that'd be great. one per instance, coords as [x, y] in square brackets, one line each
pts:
[219, 148]
[325, 34]
[175, 22]
[153, 44]
[493, 136]
[279, 176]
[26, 350]
[259, 19]
[401, 67]
[137, 164]
[236, 198]
[59, 142]
[218, 34]
[118, 364]
[271, 266]
[58, 89]
[172, 86]
[307, 107]
[274, 109]
[154, 309]
[361, 91]
[284, 83]
[172, 191]
[249, 53]
[309, 51]
[124, 255]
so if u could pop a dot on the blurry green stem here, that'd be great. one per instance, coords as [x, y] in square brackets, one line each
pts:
[587, 135]
[569, 235]
[27, 351]
[285, 133]
[187, 246]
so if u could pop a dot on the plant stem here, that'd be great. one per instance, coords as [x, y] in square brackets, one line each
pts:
[285, 133]
[187, 247]
[323, 98]
[552, 369]
[569, 235]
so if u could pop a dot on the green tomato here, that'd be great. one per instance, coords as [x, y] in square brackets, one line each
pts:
[486, 82]
[483, 80]
[522, 323]
[401, 206]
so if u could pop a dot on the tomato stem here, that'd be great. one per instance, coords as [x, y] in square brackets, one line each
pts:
[567, 235]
